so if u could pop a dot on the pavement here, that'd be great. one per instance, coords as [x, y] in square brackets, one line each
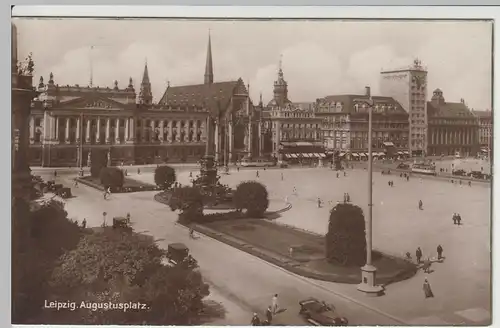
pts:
[245, 284]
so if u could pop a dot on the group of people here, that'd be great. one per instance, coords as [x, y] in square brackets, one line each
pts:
[457, 219]
[405, 176]
[271, 311]
[426, 263]
[390, 183]
[347, 198]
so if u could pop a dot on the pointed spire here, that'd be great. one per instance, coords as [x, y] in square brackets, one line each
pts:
[260, 99]
[145, 75]
[145, 94]
[209, 69]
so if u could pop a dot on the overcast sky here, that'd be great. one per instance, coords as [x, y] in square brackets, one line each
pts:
[319, 57]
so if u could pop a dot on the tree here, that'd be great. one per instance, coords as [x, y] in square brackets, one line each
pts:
[346, 240]
[111, 266]
[165, 176]
[112, 177]
[99, 161]
[253, 197]
[189, 201]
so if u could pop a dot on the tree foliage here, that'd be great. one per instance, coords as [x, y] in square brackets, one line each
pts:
[189, 201]
[99, 160]
[165, 176]
[253, 197]
[111, 266]
[346, 240]
[112, 177]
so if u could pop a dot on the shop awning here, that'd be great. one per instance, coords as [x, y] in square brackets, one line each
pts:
[484, 150]
[312, 155]
[362, 154]
[341, 154]
[406, 152]
[381, 154]
[288, 155]
[322, 155]
[388, 144]
[293, 155]
[355, 154]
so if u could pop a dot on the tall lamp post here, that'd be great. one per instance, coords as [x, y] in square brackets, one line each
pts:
[368, 271]
[80, 146]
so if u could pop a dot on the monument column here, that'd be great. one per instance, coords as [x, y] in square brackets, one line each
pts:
[261, 139]
[216, 141]
[231, 141]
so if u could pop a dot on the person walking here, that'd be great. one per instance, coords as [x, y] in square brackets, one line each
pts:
[128, 217]
[237, 168]
[420, 205]
[255, 320]
[427, 289]
[55, 174]
[418, 255]
[76, 183]
[84, 223]
[269, 315]
[337, 175]
[281, 176]
[319, 202]
[275, 306]
[440, 252]
[427, 266]
[290, 251]
[138, 171]
[190, 174]
[257, 174]
[470, 184]
[454, 218]
[459, 219]
[348, 197]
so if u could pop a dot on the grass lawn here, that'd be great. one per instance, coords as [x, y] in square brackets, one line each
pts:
[127, 182]
[308, 249]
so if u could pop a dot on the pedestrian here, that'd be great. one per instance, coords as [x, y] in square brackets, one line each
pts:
[389, 183]
[454, 218]
[238, 168]
[400, 175]
[255, 320]
[269, 315]
[420, 205]
[440, 252]
[337, 175]
[275, 303]
[418, 255]
[470, 184]
[460, 182]
[452, 181]
[257, 173]
[290, 251]
[126, 172]
[55, 173]
[190, 174]
[407, 178]
[319, 202]
[84, 223]
[76, 183]
[427, 265]
[138, 171]
[281, 176]
[128, 217]
[348, 198]
[459, 219]
[427, 289]
[345, 173]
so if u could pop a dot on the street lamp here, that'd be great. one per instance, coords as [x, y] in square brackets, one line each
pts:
[368, 271]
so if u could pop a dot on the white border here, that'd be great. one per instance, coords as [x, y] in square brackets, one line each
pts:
[300, 12]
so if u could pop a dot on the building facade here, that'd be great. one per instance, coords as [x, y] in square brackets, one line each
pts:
[485, 130]
[345, 125]
[453, 128]
[67, 123]
[408, 87]
[291, 130]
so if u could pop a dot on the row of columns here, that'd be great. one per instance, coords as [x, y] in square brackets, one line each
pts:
[52, 124]
[452, 137]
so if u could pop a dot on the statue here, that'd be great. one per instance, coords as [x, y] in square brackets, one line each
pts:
[89, 159]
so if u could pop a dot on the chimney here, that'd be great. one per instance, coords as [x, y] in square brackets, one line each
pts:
[367, 91]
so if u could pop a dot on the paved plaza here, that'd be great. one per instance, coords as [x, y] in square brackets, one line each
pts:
[461, 283]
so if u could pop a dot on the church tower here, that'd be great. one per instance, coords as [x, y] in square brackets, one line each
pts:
[145, 94]
[209, 69]
[281, 89]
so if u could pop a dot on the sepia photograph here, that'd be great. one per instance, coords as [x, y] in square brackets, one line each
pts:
[251, 172]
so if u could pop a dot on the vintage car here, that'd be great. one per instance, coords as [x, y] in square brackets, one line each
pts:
[122, 223]
[177, 252]
[403, 166]
[459, 172]
[318, 313]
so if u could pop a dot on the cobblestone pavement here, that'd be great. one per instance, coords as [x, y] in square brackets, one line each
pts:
[461, 283]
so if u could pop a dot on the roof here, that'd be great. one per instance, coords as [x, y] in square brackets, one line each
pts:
[449, 110]
[482, 113]
[213, 96]
[348, 101]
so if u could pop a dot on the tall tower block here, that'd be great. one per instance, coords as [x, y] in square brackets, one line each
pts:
[409, 87]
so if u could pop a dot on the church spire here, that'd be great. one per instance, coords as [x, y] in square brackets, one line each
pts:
[209, 69]
[145, 94]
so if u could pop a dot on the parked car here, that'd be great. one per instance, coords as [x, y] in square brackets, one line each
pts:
[403, 166]
[477, 175]
[459, 172]
[63, 192]
[319, 313]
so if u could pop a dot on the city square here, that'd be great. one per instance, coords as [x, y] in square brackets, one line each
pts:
[214, 199]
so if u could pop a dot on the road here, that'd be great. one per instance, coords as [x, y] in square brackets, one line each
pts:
[245, 283]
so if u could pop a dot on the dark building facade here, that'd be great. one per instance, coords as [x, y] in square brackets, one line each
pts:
[485, 130]
[345, 126]
[453, 128]
[67, 122]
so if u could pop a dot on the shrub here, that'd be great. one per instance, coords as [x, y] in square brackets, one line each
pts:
[165, 176]
[99, 160]
[253, 197]
[345, 239]
[112, 177]
[189, 201]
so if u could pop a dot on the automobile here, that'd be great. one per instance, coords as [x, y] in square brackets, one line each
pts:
[459, 172]
[403, 166]
[476, 175]
[318, 313]
[122, 223]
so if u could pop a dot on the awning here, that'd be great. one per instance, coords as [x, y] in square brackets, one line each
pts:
[288, 155]
[355, 154]
[317, 155]
[322, 155]
[362, 154]
[311, 155]
[400, 153]
[381, 154]
[304, 155]
[288, 144]
[388, 144]
[303, 143]
[484, 150]
[341, 154]
[406, 152]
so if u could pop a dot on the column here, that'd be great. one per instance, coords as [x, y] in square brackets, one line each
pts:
[186, 130]
[127, 129]
[117, 131]
[132, 123]
[169, 132]
[278, 138]
[57, 129]
[108, 130]
[143, 130]
[250, 137]
[153, 133]
[78, 122]
[216, 141]
[32, 129]
[178, 136]
[46, 125]
[231, 141]
[204, 131]
[66, 132]
[87, 132]
[98, 131]
[261, 139]
[195, 131]
[162, 128]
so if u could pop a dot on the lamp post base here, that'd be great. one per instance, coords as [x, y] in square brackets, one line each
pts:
[367, 284]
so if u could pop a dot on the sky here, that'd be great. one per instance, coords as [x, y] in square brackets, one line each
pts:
[319, 58]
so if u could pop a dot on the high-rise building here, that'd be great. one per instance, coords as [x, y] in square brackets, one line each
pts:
[408, 86]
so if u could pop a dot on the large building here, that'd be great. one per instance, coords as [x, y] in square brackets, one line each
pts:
[291, 130]
[345, 125]
[408, 87]
[453, 128]
[68, 123]
[485, 131]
